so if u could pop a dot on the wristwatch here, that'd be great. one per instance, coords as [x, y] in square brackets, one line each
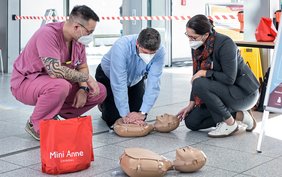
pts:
[86, 89]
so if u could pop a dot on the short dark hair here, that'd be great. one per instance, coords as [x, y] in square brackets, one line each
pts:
[150, 39]
[84, 12]
[200, 24]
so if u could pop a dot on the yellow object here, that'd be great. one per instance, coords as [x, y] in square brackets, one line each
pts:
[68, 62]
[252, 58]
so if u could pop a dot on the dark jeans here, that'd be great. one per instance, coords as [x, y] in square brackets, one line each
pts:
[218, 105]
[109, 110]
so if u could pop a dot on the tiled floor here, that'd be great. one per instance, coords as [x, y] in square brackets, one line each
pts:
[231, 156]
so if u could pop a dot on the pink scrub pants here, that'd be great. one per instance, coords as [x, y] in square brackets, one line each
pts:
[53, 96]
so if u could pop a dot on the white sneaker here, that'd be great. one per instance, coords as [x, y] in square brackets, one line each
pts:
[249, 120]
[223, 130]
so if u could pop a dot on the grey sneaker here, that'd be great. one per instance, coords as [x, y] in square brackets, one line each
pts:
[223, 130]
[249, 120]
[29, 129]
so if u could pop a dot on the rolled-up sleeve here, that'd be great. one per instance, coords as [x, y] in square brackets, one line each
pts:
[118, 78]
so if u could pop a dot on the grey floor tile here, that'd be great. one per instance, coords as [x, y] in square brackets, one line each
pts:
[271, 168]
[99, 125]
[18, 117]
[231, 160]
[204, 172]
[241, 175]
[116, 172]
[155, 143]
[109, 138]
[25, 158]
[24, 172]
[5, 166]
[12, 144]
[98, 166]
[13, 129]
[110, 151]
[247, 142]
[183, 133]
[97, 144]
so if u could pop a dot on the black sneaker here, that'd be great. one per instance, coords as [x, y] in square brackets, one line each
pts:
[100, 107]
[29, 129]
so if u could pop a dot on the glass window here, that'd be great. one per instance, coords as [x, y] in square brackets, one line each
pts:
[107, 31]
[28, 27]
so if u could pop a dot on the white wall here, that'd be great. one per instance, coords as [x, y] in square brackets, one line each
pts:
[253, 11]
[103, 8]
[180, 43]
[13, 33]
[36, 8]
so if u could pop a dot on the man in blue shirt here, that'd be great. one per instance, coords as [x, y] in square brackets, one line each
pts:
[132, 61]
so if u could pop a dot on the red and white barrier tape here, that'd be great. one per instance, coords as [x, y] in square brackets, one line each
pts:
[215, 17]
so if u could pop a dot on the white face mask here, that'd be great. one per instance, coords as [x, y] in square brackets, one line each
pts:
[85, 40]
[146, 57]
[195, 44]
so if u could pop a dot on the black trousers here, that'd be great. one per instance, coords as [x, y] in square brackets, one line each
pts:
[109, 110]
[218, 105]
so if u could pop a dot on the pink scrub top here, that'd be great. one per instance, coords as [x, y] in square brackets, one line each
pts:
[47, 41]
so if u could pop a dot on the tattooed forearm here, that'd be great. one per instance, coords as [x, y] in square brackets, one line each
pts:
[74, 75]
[55, 69]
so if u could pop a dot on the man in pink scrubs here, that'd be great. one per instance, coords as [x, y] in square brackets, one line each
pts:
[52, 74]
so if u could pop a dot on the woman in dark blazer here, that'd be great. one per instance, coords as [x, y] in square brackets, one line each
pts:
[223, 86]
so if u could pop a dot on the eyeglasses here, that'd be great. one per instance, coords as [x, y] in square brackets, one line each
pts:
[88, 32]
[192, 38]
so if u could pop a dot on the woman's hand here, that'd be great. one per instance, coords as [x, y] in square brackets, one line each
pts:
[184, 111]
[200, 73]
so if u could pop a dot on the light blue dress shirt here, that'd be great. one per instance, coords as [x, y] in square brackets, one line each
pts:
[123, 66]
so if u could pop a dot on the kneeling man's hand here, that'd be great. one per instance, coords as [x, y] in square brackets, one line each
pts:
[134, 118]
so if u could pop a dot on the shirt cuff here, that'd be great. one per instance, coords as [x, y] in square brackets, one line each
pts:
[209, 74]
[123, 113]
[144, 109]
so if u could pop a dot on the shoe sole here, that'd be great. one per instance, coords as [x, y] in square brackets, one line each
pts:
[222, 136]
[29, 132]
[254, 123]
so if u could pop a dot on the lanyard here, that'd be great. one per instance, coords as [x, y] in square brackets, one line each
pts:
[147, 70]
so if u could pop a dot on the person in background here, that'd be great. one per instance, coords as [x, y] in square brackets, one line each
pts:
[223, 86]
[52, 74]
[132, 61]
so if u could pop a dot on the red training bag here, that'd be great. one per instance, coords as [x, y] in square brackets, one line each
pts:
[66, 145]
